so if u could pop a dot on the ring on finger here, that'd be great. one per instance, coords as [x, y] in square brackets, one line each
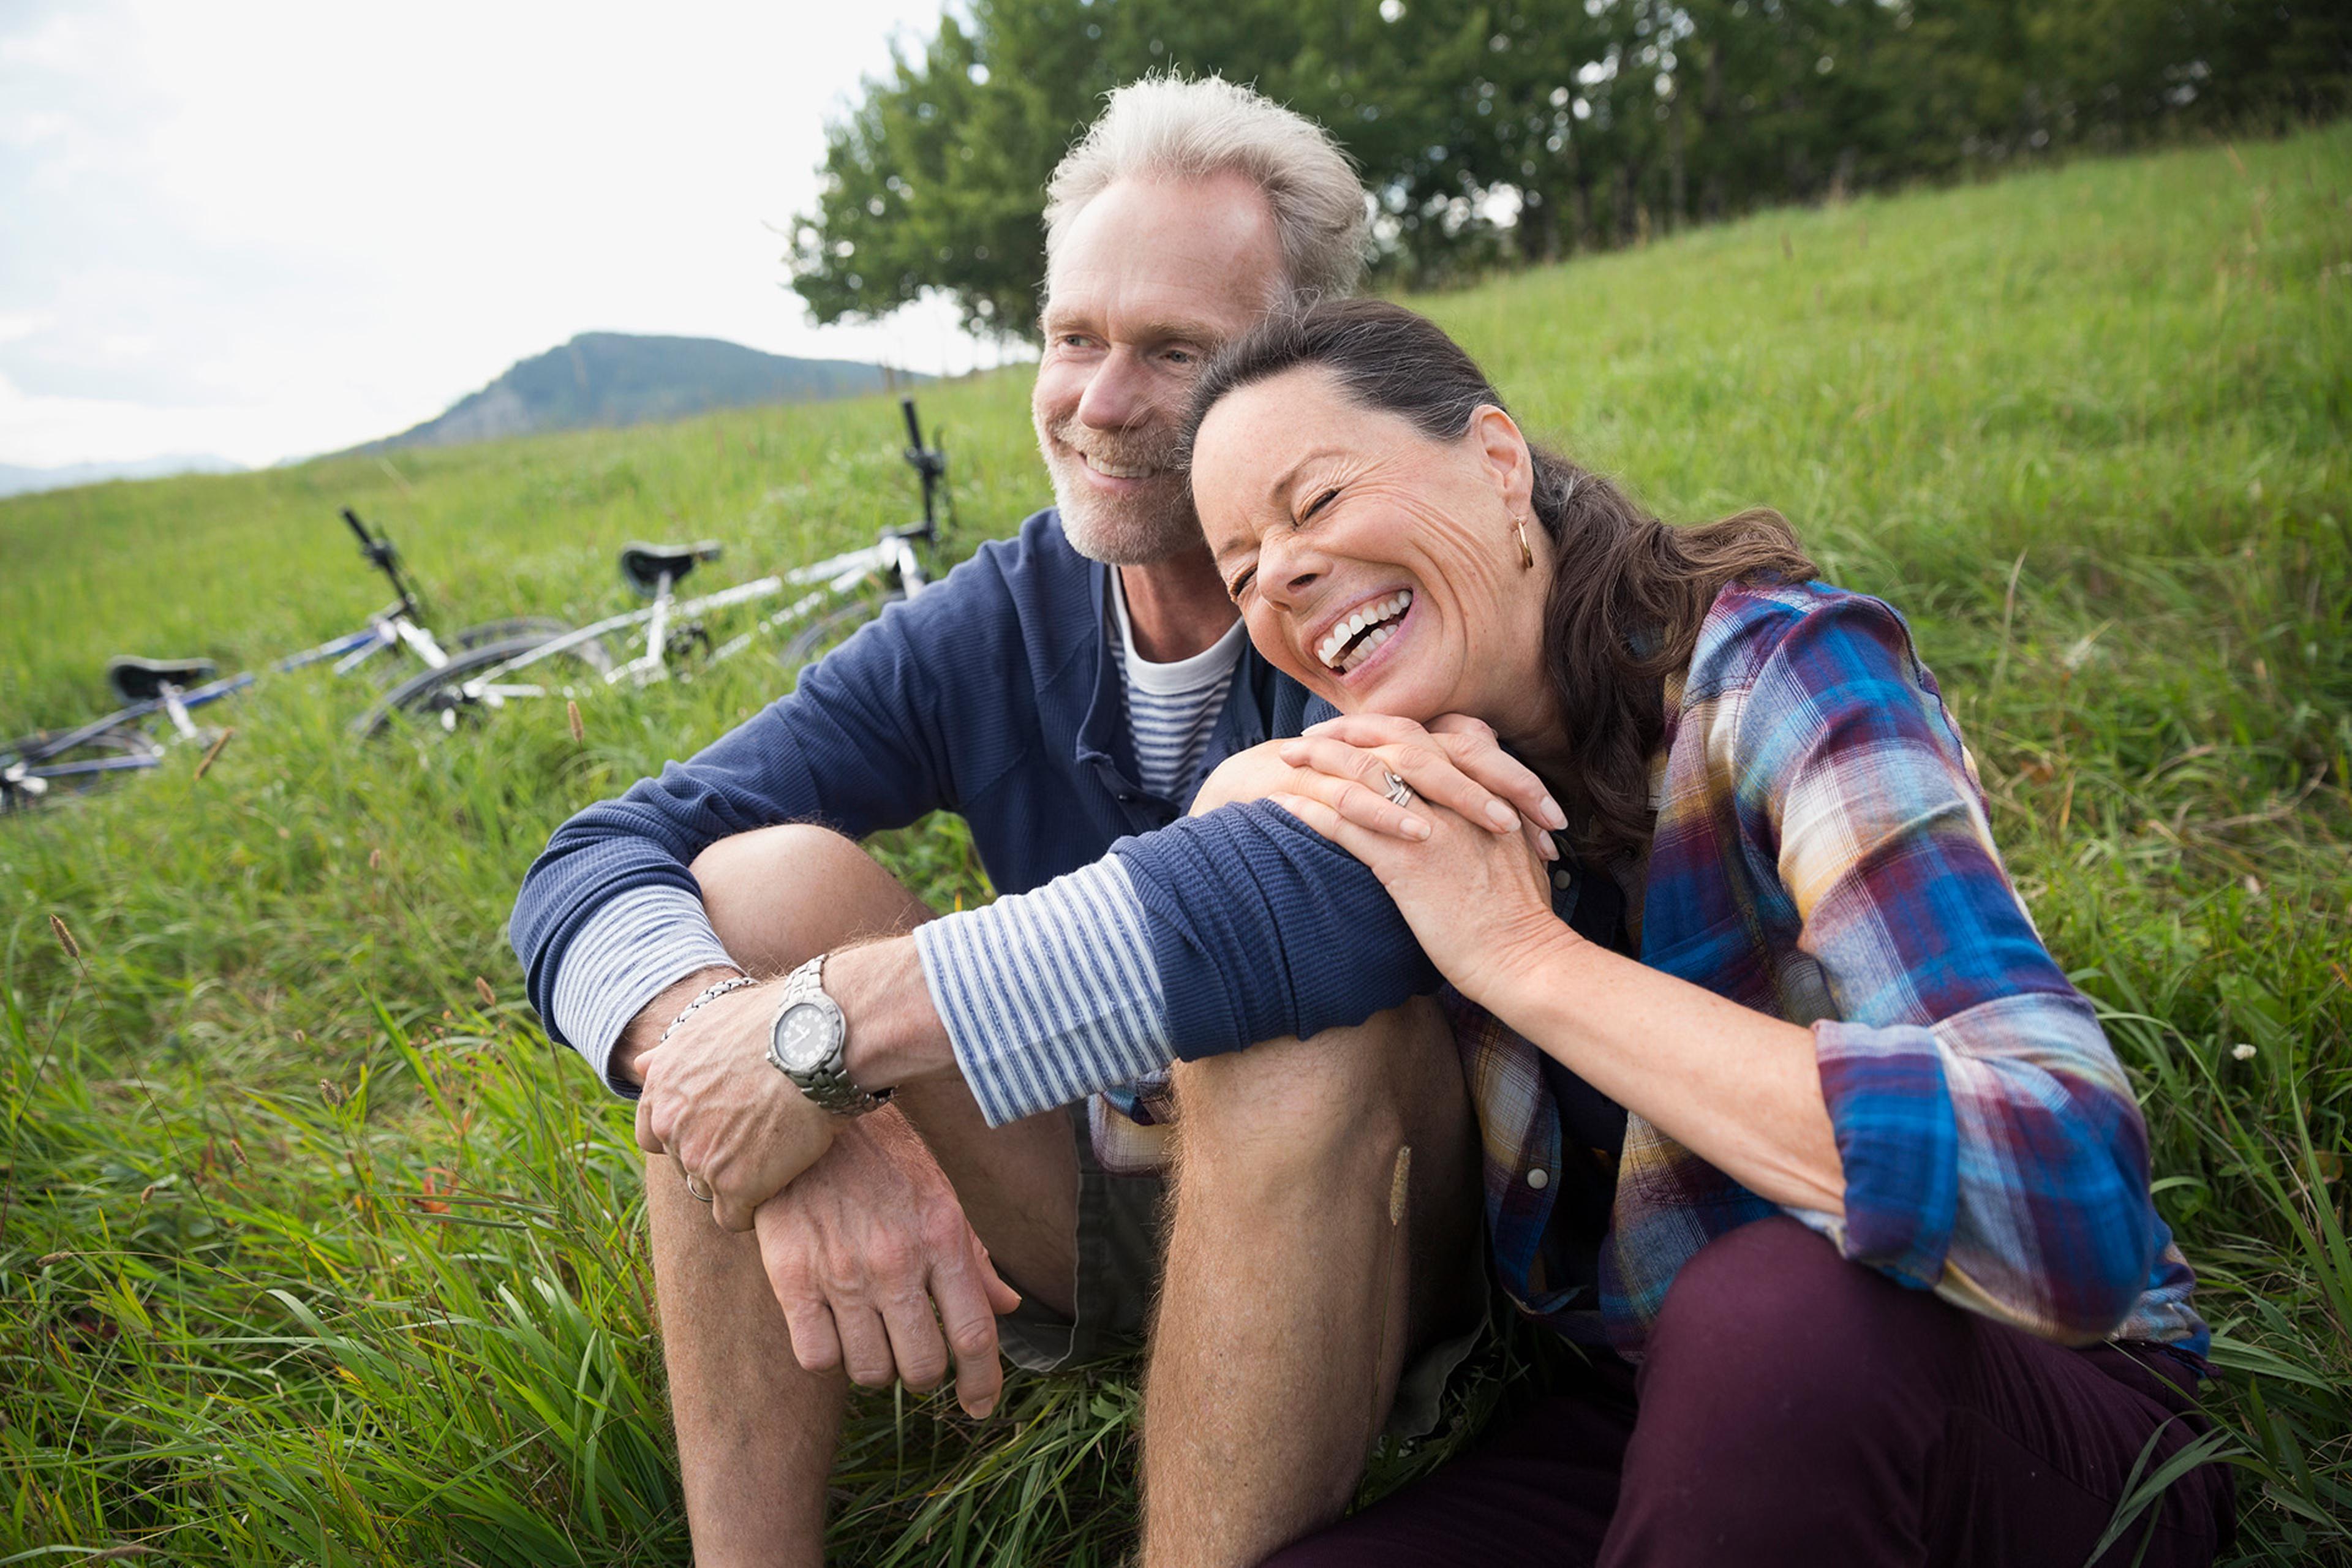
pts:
[1399, 791]
[696, 1190]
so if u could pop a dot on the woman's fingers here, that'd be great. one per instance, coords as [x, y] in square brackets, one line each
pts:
[1356, 800]
[1428, 771]
[1476, 750]
[1470, 744]
[1327, 821]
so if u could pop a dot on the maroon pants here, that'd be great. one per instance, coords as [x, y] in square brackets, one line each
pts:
[1795, 1409]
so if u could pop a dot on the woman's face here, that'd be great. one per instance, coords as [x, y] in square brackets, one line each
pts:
[1375, 566]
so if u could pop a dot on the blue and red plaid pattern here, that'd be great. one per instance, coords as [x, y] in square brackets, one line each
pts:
[1822, 854]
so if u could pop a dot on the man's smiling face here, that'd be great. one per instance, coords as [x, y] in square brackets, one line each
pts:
[1149, 280]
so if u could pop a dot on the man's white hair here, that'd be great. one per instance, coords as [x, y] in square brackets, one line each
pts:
[1164, 127]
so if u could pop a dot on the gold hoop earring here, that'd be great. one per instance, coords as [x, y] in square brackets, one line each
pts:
[1526, 556]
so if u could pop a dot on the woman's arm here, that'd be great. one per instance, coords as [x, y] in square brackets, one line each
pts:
[1963, 1106]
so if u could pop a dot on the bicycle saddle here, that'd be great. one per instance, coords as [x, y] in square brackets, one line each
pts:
[643, 564]
[143, 679]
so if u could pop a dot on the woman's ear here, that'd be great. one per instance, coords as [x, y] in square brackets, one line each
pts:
[1495, 437]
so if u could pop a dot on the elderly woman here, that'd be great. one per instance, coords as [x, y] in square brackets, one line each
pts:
[1787, 1114]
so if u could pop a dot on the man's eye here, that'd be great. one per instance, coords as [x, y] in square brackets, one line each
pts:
[1181, 356]
[1238, 584]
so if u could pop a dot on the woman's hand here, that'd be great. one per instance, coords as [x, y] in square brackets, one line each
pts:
[1344, 762]
[1478, 901]
[1455, 762]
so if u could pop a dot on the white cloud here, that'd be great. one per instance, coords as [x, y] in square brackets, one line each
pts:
[268, 228]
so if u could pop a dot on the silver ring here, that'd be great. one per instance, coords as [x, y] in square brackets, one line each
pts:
[1400, 792]
[698, 1193]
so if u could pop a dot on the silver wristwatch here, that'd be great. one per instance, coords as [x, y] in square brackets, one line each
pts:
[806, 1041]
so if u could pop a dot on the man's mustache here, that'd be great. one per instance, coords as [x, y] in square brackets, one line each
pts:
[1147, 449]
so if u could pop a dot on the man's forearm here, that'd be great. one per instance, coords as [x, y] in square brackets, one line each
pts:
[644, 1030]
[895, 1033]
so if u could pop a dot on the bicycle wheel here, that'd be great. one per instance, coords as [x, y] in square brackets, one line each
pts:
[438, 696]
[34, 768]
[829, 630]
[538, 629]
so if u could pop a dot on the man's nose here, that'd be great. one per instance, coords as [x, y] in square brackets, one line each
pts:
[1116, 395]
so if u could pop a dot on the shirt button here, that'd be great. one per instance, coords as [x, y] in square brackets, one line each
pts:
[1540, 1178]
[1563, 879]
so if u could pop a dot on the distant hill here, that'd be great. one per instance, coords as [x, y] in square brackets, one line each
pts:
[604, 379]
[16, 481]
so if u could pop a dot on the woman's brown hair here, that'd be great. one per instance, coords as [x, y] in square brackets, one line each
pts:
[1627, 592]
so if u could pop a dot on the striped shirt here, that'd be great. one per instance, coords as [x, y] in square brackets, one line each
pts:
[1172, 709]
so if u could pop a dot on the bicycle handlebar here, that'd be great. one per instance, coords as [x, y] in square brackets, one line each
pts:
[377, 547]
[931, 464]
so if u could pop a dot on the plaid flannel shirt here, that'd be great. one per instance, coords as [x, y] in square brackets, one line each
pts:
[1822, 854]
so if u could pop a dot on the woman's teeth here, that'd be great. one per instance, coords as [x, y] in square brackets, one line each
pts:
[1351, 642]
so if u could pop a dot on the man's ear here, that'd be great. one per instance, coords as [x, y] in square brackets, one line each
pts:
[1495, 437]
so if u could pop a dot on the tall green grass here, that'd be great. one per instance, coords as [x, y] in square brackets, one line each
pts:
[311, 1251]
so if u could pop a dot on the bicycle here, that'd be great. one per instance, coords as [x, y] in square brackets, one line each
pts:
[33, 767]
[400, 624]
[480, 683]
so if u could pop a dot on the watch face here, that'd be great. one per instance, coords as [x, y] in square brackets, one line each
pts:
[805, 1035]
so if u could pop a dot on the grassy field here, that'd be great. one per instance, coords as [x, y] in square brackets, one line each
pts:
[311, 1249]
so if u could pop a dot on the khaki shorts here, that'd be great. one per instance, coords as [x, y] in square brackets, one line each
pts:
[1121, 1220]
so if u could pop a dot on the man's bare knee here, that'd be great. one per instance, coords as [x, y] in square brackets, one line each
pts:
[778, 896]
[1291, 1111]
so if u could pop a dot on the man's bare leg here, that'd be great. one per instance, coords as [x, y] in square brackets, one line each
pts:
[756, 1433]
[1289, 1299]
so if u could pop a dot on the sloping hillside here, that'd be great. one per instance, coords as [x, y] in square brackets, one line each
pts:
[313, 1249]
[606, 379]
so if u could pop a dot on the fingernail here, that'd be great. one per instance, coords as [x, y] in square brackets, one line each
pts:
[1414, 827]
[1547, 849]
[1502, 816]
[1554, 818]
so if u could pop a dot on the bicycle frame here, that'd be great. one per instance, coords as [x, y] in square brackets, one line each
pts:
[30, 772]
[487, 678]
[394, 626]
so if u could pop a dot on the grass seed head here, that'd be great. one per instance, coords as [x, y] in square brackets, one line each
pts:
[65, 937]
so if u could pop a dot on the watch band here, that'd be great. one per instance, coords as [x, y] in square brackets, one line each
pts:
[828, 1083]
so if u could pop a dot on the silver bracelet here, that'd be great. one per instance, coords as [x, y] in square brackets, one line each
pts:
[710, 994]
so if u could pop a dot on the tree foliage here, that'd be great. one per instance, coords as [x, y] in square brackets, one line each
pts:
[1526, 130]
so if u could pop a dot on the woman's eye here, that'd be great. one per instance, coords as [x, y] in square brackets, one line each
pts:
[1318, 505]
[1240, 583]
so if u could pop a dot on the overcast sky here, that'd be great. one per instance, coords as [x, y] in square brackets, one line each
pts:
[264, 230]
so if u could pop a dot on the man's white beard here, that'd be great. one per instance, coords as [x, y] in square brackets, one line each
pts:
[1120, 531]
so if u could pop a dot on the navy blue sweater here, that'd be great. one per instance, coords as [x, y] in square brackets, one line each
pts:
[996, 694]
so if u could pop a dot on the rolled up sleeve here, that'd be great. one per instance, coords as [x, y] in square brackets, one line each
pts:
[1993, 1150]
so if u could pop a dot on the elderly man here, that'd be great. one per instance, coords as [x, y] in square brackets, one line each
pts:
[1066, 688]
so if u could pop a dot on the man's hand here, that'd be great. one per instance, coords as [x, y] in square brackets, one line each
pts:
[860, 1249]
[715, 1104]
